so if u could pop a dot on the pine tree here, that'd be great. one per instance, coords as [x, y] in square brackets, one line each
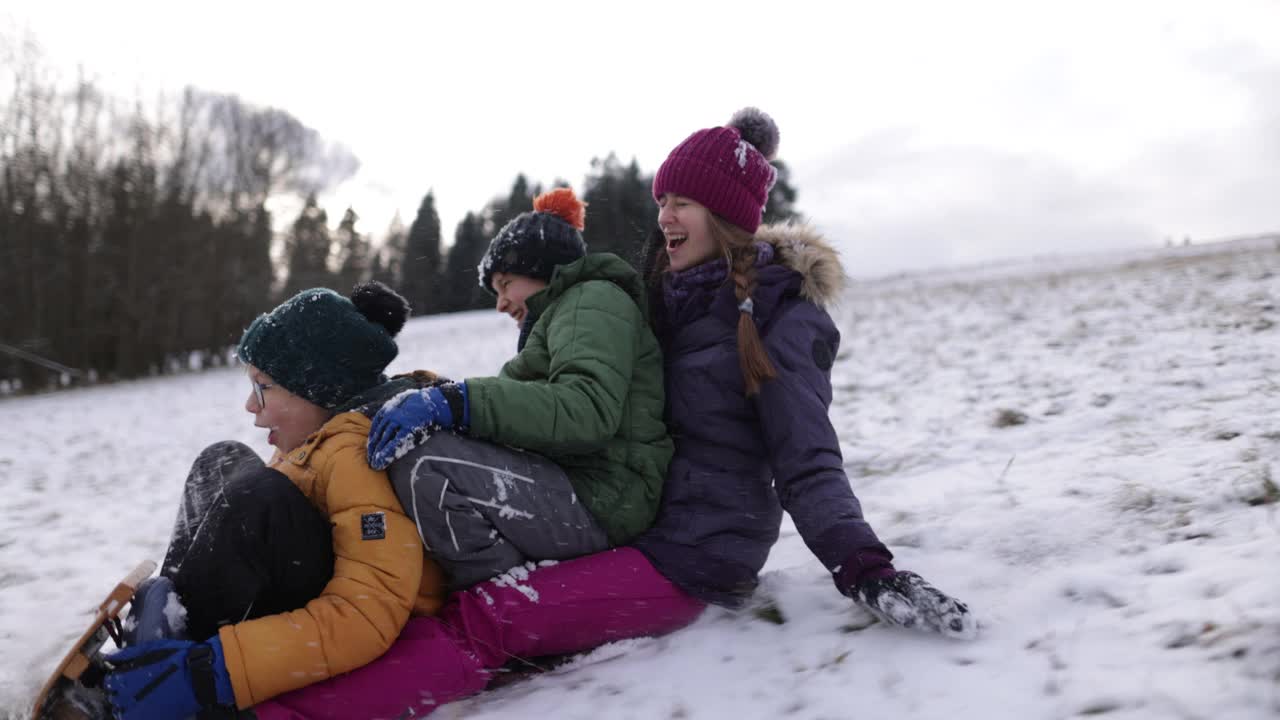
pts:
[620, 209]
[243, 275]
[388, 262]
[307, 250]
[353, 253]
[460, 282]
[501, 211]
[257, 275]
[782, 198]
[420, 268]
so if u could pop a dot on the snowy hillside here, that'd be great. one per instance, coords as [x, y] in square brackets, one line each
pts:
[1088, 453]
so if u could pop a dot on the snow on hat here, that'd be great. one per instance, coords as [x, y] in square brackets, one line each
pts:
[324, 347]
[534, 243]
[726, 169]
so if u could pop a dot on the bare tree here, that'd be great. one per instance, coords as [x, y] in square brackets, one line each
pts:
[135, 236]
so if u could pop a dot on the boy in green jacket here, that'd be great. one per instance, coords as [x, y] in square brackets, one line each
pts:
[564, 452]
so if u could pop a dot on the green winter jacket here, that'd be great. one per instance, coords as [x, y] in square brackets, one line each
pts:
[586, 391]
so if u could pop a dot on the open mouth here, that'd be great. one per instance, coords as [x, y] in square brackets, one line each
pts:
[675, 241]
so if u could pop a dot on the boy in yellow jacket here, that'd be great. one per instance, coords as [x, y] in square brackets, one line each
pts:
[296, 570]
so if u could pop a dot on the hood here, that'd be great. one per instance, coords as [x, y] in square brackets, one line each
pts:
[801, 248]
[595, 266]
[370, 401]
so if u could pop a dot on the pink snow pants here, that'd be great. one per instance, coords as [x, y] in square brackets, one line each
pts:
[569, 607]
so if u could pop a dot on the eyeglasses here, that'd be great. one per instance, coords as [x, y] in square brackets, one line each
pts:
[257, 392]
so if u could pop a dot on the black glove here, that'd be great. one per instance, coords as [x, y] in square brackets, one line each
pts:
[906, 599]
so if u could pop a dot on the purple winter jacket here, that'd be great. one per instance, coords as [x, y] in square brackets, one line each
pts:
[740, 462]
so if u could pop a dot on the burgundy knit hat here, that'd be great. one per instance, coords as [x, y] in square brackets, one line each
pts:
[725, 168]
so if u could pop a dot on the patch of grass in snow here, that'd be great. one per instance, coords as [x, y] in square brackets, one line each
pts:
[1135, 497]
[1007, 417]
[769, 612]
[1267, 492]
[1101, 707]
[888, 465]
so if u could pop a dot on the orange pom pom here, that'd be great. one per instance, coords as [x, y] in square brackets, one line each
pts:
[565, 204]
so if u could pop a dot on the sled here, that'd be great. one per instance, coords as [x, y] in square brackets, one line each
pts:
[69, 693]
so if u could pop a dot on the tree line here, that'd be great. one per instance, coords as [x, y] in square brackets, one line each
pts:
[135, 237]
[621, 215]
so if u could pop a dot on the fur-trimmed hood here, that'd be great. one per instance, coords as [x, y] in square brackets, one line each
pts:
[801, 248]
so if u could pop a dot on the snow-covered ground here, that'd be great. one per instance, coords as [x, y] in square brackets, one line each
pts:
[1087, 450]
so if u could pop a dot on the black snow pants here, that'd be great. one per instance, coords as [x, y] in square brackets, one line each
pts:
[247, 543]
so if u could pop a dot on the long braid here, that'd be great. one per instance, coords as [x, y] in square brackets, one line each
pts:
[752, 357]
[739, 249]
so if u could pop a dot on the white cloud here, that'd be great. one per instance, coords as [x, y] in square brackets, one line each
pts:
[892, 202]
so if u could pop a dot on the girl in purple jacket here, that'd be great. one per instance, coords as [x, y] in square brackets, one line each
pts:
[748, 350]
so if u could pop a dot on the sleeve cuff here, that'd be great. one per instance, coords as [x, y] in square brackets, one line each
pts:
[861, 565]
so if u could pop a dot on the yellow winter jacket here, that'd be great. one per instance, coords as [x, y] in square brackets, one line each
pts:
[380, 574]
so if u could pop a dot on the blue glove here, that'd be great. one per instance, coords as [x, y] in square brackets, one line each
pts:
[399, 428]
[167, 679]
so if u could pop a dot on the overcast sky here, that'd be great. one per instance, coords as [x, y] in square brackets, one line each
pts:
[919, 134]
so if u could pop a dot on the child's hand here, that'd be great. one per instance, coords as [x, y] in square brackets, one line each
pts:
[400, 426]
[167, 678]
[906, 599]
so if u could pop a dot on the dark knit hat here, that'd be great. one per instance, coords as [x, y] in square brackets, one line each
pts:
[534, 243]
[325, 347]
[725, 168]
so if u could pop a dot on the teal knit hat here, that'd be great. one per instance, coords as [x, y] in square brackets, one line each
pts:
[325, 347]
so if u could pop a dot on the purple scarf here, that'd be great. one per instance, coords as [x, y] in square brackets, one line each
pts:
[679, 286]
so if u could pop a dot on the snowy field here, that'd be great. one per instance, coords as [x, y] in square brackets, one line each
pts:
[1086, 450]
